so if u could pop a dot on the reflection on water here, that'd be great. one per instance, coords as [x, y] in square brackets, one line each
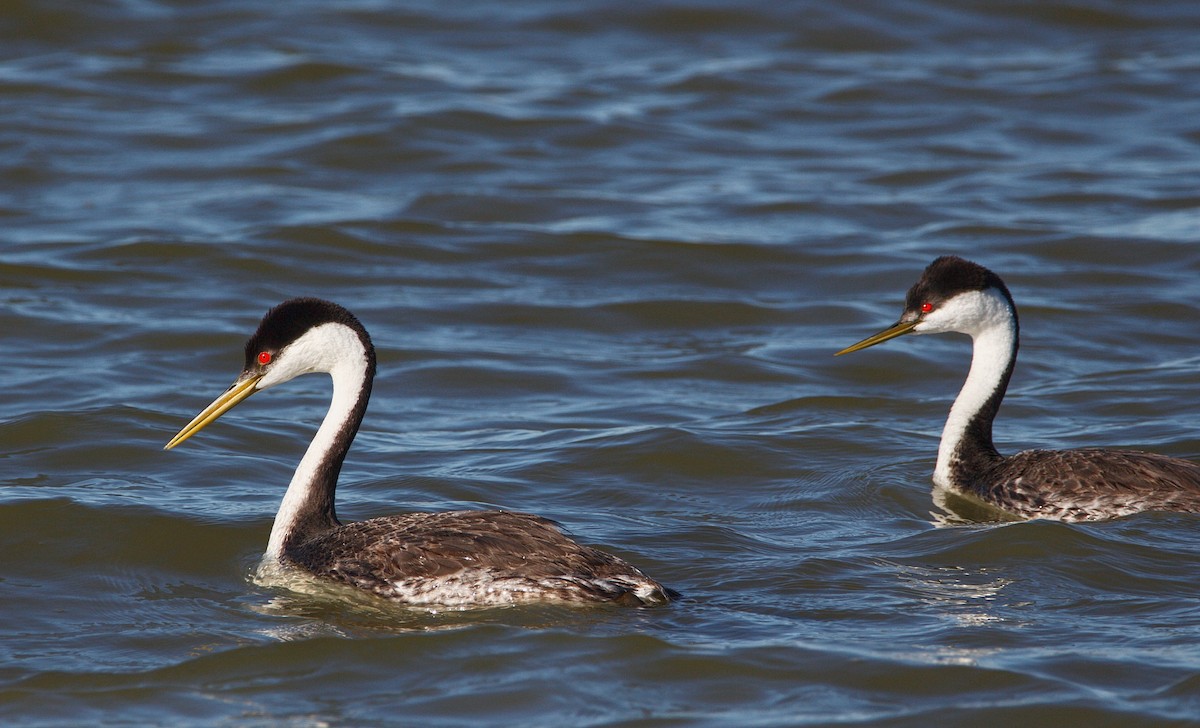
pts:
[962, 595]
[960, 508]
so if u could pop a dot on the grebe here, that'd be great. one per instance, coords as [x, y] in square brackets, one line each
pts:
[454, 558]
[956, 295]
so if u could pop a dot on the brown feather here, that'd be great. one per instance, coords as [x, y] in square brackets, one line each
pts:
[495, 557]
[1088, 484]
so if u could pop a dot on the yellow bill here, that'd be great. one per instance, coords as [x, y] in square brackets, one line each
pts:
[900, 329]
[241, 389]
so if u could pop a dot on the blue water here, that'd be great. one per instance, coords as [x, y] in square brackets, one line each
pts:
[606, 251]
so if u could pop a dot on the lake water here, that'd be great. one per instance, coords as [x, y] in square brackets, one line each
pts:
[606, 251]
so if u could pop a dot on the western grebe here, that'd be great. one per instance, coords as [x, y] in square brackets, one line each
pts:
[956, 295]
[454, 558]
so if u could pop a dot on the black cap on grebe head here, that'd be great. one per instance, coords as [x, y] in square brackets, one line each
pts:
[288, 321]
[947, 277]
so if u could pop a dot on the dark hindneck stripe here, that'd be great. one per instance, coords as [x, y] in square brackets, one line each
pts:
[319, 514]
[977, 452]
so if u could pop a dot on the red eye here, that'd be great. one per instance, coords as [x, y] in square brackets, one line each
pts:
[925, 308]
[264, 357]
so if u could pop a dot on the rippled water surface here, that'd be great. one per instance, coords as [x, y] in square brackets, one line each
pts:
[606, 251]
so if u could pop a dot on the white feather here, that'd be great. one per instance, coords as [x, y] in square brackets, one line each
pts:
[332, 348]
[987, 318]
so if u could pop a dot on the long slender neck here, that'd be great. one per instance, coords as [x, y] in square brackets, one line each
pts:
[307, 508]
[966, 445]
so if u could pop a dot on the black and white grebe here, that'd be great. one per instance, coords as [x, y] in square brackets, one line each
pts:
[956, 295]
[454, 558]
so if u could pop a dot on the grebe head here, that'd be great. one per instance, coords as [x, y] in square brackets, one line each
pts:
[299, 336]
[953, 295]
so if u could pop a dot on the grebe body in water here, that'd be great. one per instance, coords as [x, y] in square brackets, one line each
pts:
[454, 558]
[956, 295]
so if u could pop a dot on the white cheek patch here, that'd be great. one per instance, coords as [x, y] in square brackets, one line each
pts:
[969, 313]
[320, 349]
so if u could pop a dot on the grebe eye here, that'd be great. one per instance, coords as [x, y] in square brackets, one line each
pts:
[264, 357]
[926, 307]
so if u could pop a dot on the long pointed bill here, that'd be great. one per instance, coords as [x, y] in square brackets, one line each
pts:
[900, 329]
[241, 389]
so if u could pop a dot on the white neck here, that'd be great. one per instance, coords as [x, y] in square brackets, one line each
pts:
[993, 331]
[348, 369]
